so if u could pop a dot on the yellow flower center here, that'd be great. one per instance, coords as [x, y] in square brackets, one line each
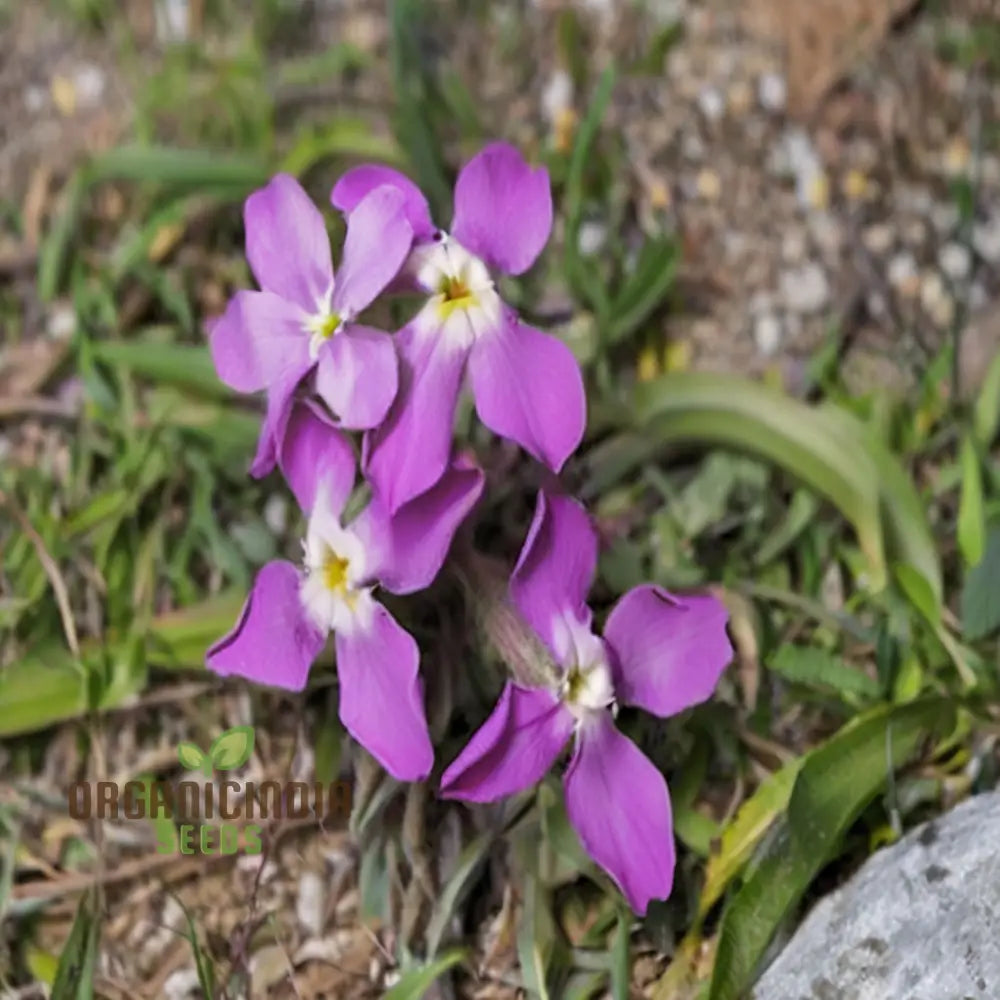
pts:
[325, 326]
[455, 294]
[335, 574]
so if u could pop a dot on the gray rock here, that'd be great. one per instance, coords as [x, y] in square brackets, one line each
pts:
[919, 921]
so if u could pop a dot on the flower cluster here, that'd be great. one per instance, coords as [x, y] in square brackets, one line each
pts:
[325, 372]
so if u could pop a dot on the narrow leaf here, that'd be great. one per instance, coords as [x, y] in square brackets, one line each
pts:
[75, 974]
[816, 668]
[413, 985]
[971, 515]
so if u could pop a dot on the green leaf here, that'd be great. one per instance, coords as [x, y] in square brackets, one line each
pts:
[232, 748]
[986, 418]
[980, 593]
[909, 538]
[190, 168]
[180, 365]
[43, 687]
[413, 86]
[645, 289]
[413, 985]
[578, 270]
[748, 416]
[971, 516]
[745, 831]
[75, 974]
[620, 968]
[836, 783]
[915, 586]
[466, 871]
[815, 667]
[191, 756]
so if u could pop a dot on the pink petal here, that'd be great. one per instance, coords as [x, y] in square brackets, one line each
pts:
[312, 452]
[280, 398]
[528, 388]
[619, 805]
[512, 749]
[273, 642]
[413, 543]
[287, 243]
[356, 183]
[668, 652]
[377, 242]
[382, 698]
[554, 572]
[259, 338]
[503, 208]
[408, 454]
[358, 375]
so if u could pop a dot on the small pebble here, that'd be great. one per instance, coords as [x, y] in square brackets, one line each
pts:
[955, 260]
[739, 98]
[945, 217]
[310, 902]
[903, 275]
[711, 104]
[708, 185]
[956, 157]
[805, 289]
[793, 246]
[986, 239]
[879, 238]
[856, 186]
[936, 301]
[767, 334]
[591, 237]
[557, 95]
[772, 92]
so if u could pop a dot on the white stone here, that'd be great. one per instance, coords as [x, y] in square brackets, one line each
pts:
[986, 240]
[902, 270]
[767, 334]
[805, 289]
[557, 95]
[310, 903]
[772, 92]
[956, 261]
[591, 238]
[917, 922]
[879, 238]
[711, 103]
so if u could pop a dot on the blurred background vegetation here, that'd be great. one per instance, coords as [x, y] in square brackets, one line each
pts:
[778, 261]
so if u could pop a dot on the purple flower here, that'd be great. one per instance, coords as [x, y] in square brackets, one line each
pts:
[658, 652]
[290, 611]
[302, 319]
[526, 384]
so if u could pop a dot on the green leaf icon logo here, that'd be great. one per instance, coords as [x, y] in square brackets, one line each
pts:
[232, 749]
[191, 756]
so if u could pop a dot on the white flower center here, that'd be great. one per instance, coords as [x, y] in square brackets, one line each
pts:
[463, 303]
[333, 591]
[587, 685]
